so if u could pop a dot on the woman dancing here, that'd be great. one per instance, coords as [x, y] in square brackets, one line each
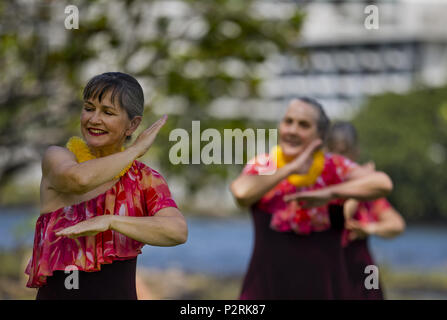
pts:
[99, 205]
[297, 218]
[363, 219]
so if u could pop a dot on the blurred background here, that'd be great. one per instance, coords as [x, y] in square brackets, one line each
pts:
[232, 64]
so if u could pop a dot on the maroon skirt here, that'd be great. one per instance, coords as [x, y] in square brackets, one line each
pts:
[285, 265]
[115, 281]
[358, 257]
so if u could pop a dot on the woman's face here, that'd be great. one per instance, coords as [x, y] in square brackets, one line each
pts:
[104, 125]
[298, 128]
[341, 147]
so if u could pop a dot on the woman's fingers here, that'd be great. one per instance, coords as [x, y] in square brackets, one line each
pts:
[147, 137]
[305, 157]
[152, 132]
[299, 197]
[370, 166]
[290, 197]
[352, 225]
[63, 232]
[316, 144]
[305, 195]
[73, 230]
[73, 233]
[158, 124]
[66, 232]
[312, 147]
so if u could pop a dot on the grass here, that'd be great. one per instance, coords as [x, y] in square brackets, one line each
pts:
[178, 285]
[12, 277]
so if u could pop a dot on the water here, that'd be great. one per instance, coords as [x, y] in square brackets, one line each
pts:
[223, 246]
[217, 246]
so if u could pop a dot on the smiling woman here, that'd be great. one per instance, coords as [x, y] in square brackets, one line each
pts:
[297, 212]
[100, 97]
[99, 205]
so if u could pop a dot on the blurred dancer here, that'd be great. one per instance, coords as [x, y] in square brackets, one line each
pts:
[363, 219]
[297, 212]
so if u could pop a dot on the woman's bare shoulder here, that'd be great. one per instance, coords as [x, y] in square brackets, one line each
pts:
[55, 155]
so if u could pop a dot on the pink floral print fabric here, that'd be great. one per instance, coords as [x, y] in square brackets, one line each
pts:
[141, 192]
[291, 216]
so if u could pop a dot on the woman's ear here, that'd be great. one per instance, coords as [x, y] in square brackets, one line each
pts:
[134, 123]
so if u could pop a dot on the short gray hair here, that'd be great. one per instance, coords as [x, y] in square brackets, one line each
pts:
[122, 86]
[323, 121]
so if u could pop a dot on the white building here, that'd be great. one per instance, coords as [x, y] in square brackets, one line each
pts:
[348, 61]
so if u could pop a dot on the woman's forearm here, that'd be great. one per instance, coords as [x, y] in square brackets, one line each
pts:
[384, 229]
[390, 224]
[93, 173]
[369, 187]
[248, 189]
[156, 230]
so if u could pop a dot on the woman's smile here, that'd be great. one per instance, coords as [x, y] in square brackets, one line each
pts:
[291, 140]
[104, 125]
[96, 132]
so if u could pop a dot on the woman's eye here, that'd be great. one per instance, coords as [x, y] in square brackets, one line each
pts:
[108, 113]
[304, 125]
[88, 109]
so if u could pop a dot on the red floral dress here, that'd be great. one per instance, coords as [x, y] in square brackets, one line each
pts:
[297, 253]
[367, 212]
[141, 192]
[357, 253]
[290, 216]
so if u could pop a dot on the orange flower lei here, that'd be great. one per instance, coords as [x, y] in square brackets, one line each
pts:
[82, 153]
[297, 179]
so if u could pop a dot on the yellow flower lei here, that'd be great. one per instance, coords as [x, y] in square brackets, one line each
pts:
[82, 153]
[297, 179]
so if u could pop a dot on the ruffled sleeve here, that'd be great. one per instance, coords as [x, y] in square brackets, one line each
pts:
[337, 169]
[140, 192]
[370, 211]
[260, 165]
[156, 192]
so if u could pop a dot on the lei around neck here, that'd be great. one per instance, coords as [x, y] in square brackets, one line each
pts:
[299, 180]
[82, 153]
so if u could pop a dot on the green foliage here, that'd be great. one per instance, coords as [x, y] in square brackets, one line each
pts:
[406, 136]
[206, 51]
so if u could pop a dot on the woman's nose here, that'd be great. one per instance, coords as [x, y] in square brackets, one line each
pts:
[292, 129]
[95, 118]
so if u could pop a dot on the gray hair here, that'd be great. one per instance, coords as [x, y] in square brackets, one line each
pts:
[122, 86]
[344, 132]
[323, 121]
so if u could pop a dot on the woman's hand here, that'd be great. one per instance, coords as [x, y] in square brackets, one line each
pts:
[147, 137]
[359, 230]
[303, 162]
[88, 227]
[369, 166]
[350, 207]
[314, 198]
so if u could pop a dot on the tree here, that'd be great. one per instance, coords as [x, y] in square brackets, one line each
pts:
[187, 54]
[406, 135]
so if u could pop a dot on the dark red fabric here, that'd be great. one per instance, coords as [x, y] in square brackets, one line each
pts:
[357, 257]
[115, 281]
[286, 265]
